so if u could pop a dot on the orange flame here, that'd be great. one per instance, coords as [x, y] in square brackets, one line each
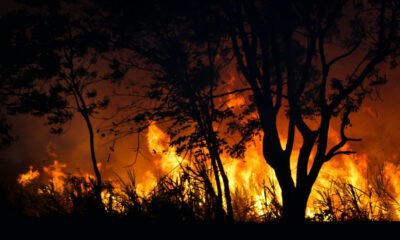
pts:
[57, 176]
[158, 141]
[26, 178]
[250, 176]
[149, 184]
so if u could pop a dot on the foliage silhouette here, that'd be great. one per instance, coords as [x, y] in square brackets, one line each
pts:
[51, 49]
[184, 68]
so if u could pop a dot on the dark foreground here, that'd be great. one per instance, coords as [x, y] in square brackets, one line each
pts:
[119, 228]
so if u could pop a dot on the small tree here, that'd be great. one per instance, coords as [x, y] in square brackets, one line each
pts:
[184, 66]
[50, 51]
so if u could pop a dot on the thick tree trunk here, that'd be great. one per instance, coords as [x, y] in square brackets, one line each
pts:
[294, 206]
[294, 197]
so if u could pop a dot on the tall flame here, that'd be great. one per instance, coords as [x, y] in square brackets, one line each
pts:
[158, 143]
[57, 176]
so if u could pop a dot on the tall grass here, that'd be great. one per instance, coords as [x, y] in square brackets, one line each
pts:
[186, 197]
[342, 201]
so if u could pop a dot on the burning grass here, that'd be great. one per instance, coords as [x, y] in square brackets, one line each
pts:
[184, 190]
[183, 198]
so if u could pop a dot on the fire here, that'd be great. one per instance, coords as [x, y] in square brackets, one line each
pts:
[113, 200]
[169, 161]
[57, 176]
[392, 173]
[244, 176]
[348, 187]
[26, 178]
[250, 176]
[150, 183]
[157, 139]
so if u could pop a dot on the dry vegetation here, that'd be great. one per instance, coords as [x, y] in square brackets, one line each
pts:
[184, 199]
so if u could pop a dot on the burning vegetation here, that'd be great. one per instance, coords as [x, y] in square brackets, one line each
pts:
[26, 178]
[346, 191]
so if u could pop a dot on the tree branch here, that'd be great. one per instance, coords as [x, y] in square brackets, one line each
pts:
[335, 150]
[346, 54]
[344, 152]
[232, 92]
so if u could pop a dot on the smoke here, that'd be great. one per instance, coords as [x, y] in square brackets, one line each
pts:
[377, 124]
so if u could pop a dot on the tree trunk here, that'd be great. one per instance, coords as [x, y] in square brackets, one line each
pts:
[220, 207]
[294, 206]
[294, 197]
[219, 171]
[98, 184]
[227, 192]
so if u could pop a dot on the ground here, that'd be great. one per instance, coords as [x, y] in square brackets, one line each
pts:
[95, 227]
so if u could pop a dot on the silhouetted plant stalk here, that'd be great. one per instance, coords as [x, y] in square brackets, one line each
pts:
[343, 201]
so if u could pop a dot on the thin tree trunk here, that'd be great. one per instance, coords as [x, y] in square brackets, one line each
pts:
[98, 185]
[220, 206]
[227, 191]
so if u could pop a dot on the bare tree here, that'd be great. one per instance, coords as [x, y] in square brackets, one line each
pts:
[289, 54]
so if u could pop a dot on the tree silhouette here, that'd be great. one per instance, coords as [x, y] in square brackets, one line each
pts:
[50, 51]
[284, 50]
[184, 77]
